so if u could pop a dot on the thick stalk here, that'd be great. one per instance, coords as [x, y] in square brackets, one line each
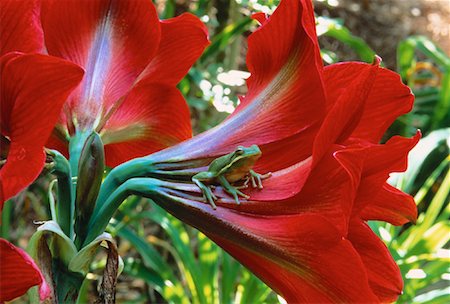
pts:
[171, 169]
[65, 206]
[90, 174]
[5, 220]
[75, 148]
[138, 167]
[68, 284]
[139, 186]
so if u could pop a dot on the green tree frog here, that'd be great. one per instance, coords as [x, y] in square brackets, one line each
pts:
[228, 169]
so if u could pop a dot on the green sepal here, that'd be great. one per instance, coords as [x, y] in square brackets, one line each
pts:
[60, 246]
[145, 187]
[90, 174]
[65, 206]
[83, 259]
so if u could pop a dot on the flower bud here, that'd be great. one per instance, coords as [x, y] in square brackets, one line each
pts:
[90, 174]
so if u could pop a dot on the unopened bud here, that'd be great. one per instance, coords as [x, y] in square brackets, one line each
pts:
[90, 174]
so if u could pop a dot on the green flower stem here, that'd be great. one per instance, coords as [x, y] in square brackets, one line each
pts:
[146, 187]
[147, 167]
[75, 148]
[135, 168]
[90, 170]
[141, 186]
[65, 208]
[51, 200]
[68, 284]
[6, 219]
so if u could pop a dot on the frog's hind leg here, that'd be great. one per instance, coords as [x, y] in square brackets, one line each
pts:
[232, 190]
[207, 193]
[257, 178]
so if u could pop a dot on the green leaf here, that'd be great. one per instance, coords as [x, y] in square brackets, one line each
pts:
[417, 156]
[61, 246]
[222, 40]
[334, 29]
[83, 259]
[432, 240]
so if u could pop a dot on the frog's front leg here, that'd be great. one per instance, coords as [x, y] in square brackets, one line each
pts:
[208, 194]
[231, 189]
[257, 178]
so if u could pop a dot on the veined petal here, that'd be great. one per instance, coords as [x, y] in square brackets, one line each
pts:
[59, 144]
[390, 205]
[284, 252]
[380, 161]
[183, 40]
[151, 118]
[260, 17]
[384, 275]
[284, 41]
[286, 152]
[31, 84]
[388, 97]
[345, 114]
[330, 276]
[286, 85]
[277, 196]
[18, 273]
[329, 189]
[20, 28]
[113, 40]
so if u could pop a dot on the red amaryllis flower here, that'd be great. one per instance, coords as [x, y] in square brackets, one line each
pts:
[133, 62]
[305, 232]
[33, 90]
[18, 267]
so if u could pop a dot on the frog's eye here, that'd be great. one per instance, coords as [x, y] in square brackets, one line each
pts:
[239, 151]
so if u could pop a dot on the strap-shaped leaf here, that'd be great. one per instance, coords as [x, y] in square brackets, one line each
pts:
[62, 247]
[83, 259]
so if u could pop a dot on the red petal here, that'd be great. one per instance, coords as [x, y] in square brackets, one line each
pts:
[276, 197]
[280, 54]
[18, 273]
[152, 117]
[387, 100]
[285, 43]
[285, 91]
[331, 188]
[329, 277]
[391, 205]
[260, 17]
[7, 104]
[391, 156]
[31, 84]
[328, 190]
[300, 256]
[380, 161]
[20, 28]
[183, 40]
[384, 275]
[345, 114]
[113, 40]
[58, 144]
[287, 152]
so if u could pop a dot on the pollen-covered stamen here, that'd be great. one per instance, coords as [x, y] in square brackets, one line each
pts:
[105, 116]
[61, 132]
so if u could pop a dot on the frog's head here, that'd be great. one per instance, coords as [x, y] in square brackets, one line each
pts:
[241, 153]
